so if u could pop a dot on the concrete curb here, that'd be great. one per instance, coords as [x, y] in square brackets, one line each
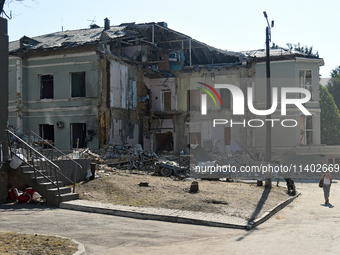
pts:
[148, 216]
[269, 214]
[81, 248]
[175, 219]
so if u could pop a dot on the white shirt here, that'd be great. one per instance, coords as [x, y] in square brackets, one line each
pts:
[326, 180]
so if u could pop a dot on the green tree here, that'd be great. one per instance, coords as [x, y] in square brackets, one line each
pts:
[335, 72]
[330, 118]
[304, 49]
[333, 85]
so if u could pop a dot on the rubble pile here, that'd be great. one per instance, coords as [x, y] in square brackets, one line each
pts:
[237, 158]
[122, 157]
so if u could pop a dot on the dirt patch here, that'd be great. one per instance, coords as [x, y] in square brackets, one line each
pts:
[17, 243]
[247, 201]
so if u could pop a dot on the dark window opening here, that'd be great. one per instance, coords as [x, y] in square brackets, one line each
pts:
[131, 129]
[225, 98]
[166, 100]
[164, 141]
[78, 84]
[193, 100]
[227, 137]
[46, 131]
[78, 135]
[46, 86]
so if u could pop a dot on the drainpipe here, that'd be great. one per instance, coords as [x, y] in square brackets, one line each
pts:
[19, 110]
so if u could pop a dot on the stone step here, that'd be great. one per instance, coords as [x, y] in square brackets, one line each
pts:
[62, 190]
[69, 196]
[49, 185]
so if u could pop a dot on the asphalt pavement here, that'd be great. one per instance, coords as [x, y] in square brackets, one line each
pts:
[305, 226]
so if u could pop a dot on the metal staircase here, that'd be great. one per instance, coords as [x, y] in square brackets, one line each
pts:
[40, 172]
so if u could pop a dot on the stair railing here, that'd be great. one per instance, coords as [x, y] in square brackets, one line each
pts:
[30, 156]
[36, 140]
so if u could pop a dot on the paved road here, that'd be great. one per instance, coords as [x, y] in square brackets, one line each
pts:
[306, 226]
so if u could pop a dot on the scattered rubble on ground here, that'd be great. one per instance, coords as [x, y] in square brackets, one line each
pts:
[111, 157]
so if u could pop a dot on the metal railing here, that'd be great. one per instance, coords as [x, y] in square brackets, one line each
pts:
[40, 164]
[51, 152]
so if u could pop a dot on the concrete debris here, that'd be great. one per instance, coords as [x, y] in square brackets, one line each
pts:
[237, 158]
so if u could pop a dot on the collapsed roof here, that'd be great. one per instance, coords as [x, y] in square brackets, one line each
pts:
[157, 35]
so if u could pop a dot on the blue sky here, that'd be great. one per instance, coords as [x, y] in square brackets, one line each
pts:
[232, 25]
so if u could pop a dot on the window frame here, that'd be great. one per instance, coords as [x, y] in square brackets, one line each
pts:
[307, 134]
[71, 84]
[303, 84]
[41, 86]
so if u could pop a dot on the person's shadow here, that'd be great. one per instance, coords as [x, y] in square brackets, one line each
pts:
[328, 205]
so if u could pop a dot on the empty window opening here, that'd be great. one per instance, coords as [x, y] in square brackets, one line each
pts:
[78, 135]
[164, 141]
[46, 131]
[306, 137]
[166, 100]
[131, 130]
[46, 86]
[132, 103]
[227, 137]
[193, 100]
[78, 84]
[225, 98]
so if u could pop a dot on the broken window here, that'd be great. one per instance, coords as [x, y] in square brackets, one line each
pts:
[193, 100]
[164, 141]
[46, 131]
[78, 135]
[131, 129]
[305, 80]
[227, 137]
[46, 86]
[195, 138]
[166, 101]
[306, 130]
[132, 103]
[225, 98]
[78, 84]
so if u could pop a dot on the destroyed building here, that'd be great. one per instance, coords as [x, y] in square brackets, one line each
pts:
[145, 84]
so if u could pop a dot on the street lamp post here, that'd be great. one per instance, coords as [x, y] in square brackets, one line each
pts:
[269, 96]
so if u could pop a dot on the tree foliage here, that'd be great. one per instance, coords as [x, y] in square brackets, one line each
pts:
[275, 46]
[330, 118]
[335, 72]
[304, 49]
[333, 85]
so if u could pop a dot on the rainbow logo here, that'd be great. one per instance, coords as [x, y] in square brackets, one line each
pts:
[209, 93]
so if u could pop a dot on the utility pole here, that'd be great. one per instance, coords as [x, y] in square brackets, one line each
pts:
[269, 97]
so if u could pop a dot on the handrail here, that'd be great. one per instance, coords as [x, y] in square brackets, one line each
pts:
[55, 148]
[62, 153]
[22, 141]
[46, 160]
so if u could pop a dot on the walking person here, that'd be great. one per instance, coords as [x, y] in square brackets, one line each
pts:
[327, 182]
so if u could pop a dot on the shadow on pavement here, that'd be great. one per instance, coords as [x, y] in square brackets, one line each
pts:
[328, 205]
[25, 206]
[259, 206]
